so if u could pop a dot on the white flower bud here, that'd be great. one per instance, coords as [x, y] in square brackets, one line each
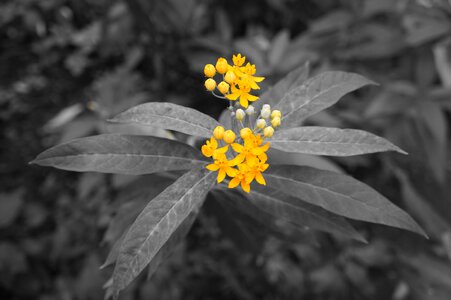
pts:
[265, 113]
[250, 110]
[240, 114]
[266, 107]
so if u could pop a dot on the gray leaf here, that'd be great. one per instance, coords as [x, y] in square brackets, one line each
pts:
[169, 116]
[330, 141]
[122, 154]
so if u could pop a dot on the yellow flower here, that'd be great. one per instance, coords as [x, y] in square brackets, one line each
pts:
[239, 178]
[238, 60]
[247, 75]
[210, 84]
[218, 132]
[229, 136]
[223, 87]
[223, 166]
[251, 148]
[255, 168]
[211, 147]
[242, 92]
[221, 65]
[209, 70]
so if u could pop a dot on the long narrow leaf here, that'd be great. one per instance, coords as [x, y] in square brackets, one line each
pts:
[121, 154]
[301, 213]
[157, 222]
[316, 94]
[330, 141]
[339, 194]
[169, 116]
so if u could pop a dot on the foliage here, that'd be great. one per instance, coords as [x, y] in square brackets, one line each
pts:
[69, 65]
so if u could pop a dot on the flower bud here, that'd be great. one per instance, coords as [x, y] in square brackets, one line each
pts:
[221, 65]
[266, 107]
[265, 113]
[250, 110]
[229, 136]
[261, 123]
[210, 84]
[276, 113]
[275, 122]
[223, 87]
[268, 132]
[245, 132]
[209, 70]
[240, 114]
[230, 77]
[218, 133]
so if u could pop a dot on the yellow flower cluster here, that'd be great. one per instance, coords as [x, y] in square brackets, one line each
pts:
[250, 157]
[238, 80]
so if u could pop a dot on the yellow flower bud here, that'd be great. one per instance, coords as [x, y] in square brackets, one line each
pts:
[210, 84]
[245, 133]
[209, 70]
[218, 133]
[265, 113]
[268, 132]
[230, 77]
[221, 65]
[261, 123]
[275, 122]
[276, 113]
[240, 114]
[223, 87]
[229, 136]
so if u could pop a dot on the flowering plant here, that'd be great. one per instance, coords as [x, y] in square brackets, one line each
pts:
[236, 156]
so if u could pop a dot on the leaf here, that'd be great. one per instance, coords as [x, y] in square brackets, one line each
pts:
[330, 141]
[174, 240]
[283, 86]
[169, 116]
[157, 222]
[301, 213]
[123, 154]
[316, 94]
[339, 194]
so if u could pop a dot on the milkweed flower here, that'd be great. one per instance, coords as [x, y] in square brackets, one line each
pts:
[223, 166]
[238, 79]
[245, 160]
[241, 91]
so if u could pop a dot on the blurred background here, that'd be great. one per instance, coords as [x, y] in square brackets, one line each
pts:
[68, 65]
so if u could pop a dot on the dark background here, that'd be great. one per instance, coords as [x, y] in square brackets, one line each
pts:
[67, 65]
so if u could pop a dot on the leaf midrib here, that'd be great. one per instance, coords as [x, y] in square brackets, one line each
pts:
[160, 116]
[117, 154]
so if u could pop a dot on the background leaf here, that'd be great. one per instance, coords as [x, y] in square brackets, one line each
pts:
[330, 141]
[339, 194]
[316, 94]
[169, 116]
[157, 222]
[123, 154]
